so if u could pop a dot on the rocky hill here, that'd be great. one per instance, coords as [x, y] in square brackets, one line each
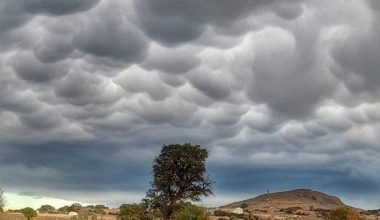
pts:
[303, 198]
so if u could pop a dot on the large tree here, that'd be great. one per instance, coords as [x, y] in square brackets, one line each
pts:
[179, 174]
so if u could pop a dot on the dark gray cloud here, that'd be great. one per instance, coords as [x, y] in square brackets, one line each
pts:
[283, 94]
[57, 7]
[31, 69]
[108, 33]
[173, 22]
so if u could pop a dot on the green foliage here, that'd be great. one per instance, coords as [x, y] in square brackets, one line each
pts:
[190, 212]
[98, 209]
[345, 213]
[179, 174]
[75, 207]
[64, 209]
[46, 209]
[29, 213]
[86, 213]
[134, 212]
[2, 200]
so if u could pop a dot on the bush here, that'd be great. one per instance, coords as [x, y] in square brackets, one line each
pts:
[134, 212]
[290, 210]
[219, 212]
[244, 205]
[190, 212]
[345, 213]
[302, 213]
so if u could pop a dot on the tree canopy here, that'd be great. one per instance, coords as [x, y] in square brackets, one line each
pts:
[179, 174]
[75, 207]
[46, 209]
[29, 213]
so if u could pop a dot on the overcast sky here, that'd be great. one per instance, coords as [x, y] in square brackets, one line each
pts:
[284, 94]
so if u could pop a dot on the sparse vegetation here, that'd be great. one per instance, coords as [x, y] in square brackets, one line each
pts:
[345, 213]
[219, 212]
[290, 210]
[244, 205]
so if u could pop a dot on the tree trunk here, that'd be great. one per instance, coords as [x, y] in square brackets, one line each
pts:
[167, 213]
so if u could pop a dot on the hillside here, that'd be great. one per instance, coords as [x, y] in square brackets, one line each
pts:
[303, 198]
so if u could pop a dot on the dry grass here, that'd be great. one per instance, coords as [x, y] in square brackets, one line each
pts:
[18, 216]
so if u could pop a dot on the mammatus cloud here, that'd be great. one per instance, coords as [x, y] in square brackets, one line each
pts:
[282, 93]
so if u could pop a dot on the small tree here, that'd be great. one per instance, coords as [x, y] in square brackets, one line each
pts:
[2, 200]
[190, 212]
[345, 213]
[46, 209]
[29, 213]
[75, 207]
[179, 174]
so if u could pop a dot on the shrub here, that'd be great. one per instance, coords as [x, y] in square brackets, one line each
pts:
[219, 212]
[244, 205]
[190, 212]
[290, 210]
[134, 212]
[302, 213]
[344, 213]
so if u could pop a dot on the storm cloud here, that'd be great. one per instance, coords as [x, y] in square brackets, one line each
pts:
[283, 94]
